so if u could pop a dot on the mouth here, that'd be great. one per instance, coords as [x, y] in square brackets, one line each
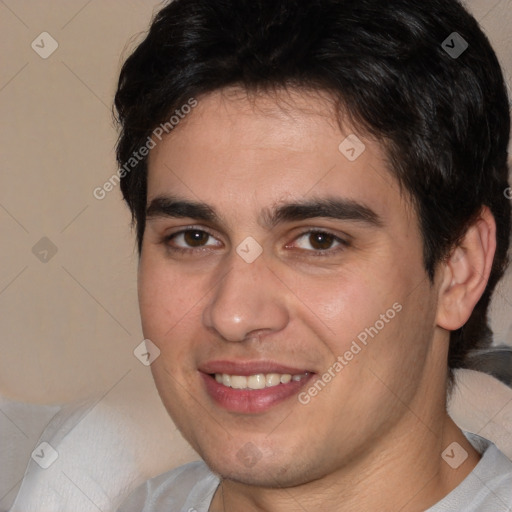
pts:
[257, 381]
[251, 388]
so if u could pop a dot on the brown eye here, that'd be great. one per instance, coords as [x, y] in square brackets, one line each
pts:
[321, 241]
[195, 238]
[189, 240]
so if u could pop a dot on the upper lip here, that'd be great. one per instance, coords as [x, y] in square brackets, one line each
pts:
[249, 368]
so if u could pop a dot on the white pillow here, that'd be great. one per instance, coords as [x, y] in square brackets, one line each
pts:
[103, 450]
[483, 405]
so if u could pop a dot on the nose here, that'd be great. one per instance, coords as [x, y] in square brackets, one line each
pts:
[249, 301]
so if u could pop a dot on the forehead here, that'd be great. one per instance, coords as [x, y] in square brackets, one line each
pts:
[251, 153]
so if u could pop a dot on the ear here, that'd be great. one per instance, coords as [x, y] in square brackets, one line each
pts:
[466, 272]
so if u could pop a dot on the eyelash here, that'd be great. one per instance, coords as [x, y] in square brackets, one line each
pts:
[343, 244]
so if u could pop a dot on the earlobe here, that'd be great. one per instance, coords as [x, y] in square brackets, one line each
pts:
[466, 271]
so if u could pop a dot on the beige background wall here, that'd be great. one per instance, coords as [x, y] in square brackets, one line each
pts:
[69, 325]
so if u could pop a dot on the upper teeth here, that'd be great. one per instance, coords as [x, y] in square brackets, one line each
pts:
[258, 381]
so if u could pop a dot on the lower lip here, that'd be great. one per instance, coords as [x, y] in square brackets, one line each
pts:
[251, 401]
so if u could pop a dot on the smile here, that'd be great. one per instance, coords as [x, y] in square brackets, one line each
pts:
[255, 392]
[257, 381]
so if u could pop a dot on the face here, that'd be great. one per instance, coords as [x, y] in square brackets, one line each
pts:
[281, 277]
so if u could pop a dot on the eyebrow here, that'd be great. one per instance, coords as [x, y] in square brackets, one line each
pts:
[330, 207]
[170, 206]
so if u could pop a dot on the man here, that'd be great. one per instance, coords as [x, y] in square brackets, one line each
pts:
[318, 190]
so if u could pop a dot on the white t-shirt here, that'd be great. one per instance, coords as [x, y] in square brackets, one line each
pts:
[190, 488]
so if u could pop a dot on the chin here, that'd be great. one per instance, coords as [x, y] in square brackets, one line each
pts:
[261, 473]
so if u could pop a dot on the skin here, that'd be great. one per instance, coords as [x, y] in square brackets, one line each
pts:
[373, 438]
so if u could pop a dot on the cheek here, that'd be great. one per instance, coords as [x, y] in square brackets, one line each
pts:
[374, 319]
[341, 305]
[166, 298]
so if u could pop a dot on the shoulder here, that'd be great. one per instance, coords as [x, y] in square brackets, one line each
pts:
[189, 487]
[488, 488]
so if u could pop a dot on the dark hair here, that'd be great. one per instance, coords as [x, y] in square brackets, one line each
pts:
[443, 118]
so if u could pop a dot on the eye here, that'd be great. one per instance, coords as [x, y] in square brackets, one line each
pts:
[319, 241]
[190, 239]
